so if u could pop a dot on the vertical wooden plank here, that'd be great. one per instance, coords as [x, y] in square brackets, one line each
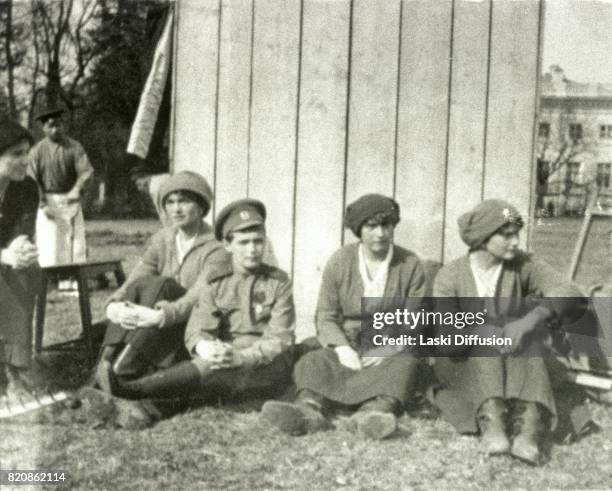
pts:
[423, 125]
[321, 148]
[234, 99]
[512, 102]
[373, 97]
[467, 117]
[196, 86]
[274, 117]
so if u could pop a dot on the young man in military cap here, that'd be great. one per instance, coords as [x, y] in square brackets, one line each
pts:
[241, 331]
[61, 168]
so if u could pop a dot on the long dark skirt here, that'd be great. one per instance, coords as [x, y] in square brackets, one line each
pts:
[18, 290]
[161, 347]
[321, 372]
[465, 383]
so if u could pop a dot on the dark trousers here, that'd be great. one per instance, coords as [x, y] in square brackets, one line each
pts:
[258, 382]
[141, 350]
[18, 290]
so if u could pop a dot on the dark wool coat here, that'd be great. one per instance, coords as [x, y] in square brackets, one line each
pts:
[467, 381]
[18, 288]
[338, 322]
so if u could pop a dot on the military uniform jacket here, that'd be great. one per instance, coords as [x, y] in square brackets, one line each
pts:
[254, 312]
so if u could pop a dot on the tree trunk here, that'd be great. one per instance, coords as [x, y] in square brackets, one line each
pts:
[10, 61]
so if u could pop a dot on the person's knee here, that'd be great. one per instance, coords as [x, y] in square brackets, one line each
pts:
[150, 289]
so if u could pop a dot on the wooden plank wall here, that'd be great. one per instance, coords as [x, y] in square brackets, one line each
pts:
[308, 104]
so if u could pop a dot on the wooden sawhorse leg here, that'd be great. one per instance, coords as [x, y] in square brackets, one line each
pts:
[41, 306]
[85, 315]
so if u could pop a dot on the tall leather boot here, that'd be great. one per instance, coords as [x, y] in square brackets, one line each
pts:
[528, 429]
[180, 380]
[303, 416]
[376, 418]
[491, 419]
[130, 363]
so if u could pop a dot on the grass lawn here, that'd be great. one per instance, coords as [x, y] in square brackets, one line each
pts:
[228, 448]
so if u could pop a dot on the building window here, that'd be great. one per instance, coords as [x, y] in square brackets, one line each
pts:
[575, 131]
[605, 131]
[603, 175]
[544, 130]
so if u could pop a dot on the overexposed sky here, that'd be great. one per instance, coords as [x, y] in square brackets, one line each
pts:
[578, 37]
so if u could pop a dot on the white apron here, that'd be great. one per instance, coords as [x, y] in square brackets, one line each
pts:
[61, 240]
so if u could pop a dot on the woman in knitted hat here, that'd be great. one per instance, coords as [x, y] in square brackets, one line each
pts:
[337, 375]
[149, 311]
[503, 392]
[19, 271]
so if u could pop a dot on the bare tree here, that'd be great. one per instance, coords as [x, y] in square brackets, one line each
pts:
[62, 47]
[12, 52]
[566, 142]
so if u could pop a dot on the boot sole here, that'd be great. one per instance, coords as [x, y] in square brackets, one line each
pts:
[500, 447]
[527, 456]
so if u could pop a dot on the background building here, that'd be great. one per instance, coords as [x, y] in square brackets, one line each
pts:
[574, 145]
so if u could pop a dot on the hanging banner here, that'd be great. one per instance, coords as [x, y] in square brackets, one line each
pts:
[152, 95]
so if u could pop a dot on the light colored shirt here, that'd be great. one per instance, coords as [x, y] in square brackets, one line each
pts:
[486, 279]
[374, 287]
[56, 166]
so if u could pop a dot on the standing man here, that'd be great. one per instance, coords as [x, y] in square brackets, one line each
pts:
[61, 168]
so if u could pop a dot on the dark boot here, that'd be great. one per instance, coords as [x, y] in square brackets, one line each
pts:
[108, 353]
[376, 418]
[491, 418]
[130, 363]
[528, 428]
[104, 378]
[382, 404]
[303, 416]
[180, 380]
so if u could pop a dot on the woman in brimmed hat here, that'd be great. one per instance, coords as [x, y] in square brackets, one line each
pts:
[337, 375]
[148, 312]
[19, 273]
[505, 391]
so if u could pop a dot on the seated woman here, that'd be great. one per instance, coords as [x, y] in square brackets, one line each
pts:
[507, 395]
[336, 375]
[149, 312]
[19, 272]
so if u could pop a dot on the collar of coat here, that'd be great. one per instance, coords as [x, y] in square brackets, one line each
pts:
[204, 236]
[225, 268]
